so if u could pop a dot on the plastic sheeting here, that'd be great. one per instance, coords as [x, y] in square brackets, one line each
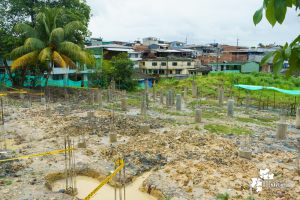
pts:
[253, 87]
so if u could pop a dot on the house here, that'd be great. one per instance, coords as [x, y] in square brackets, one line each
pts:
[243, 67]
[169, 67]
[135, 56]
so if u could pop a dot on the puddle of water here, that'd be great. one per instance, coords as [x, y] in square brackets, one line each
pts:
[85, 185]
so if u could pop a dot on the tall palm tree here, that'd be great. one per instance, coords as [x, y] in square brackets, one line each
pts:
[48, 42]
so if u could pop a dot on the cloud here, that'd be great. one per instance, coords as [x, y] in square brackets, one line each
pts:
[200, 21]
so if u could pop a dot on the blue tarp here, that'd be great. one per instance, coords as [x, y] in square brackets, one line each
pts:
[253, 87]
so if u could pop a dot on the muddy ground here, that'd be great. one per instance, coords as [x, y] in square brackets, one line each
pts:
[188, 160]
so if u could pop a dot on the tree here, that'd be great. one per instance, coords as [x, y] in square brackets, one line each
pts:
[48, 42]
[123, 71]
[119, 67]
[275, 12]
[13, 12]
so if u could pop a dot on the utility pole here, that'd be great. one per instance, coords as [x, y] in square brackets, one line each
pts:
[237, 42]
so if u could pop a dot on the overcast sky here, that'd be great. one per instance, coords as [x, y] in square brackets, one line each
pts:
[200, 21]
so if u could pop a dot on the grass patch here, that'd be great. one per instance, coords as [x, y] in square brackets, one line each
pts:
[216, 128]
[263, 119]
[197, 128]
[8, 183]
[133, 102]
[223, 196]
[203, 102]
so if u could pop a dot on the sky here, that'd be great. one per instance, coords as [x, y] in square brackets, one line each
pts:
[194, 21]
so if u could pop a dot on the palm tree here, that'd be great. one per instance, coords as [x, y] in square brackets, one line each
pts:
[48, 42]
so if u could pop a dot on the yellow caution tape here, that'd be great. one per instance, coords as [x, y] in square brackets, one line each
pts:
[36, 93]
[3, 94]
[3, 84]
[106, 180]
[41, 154]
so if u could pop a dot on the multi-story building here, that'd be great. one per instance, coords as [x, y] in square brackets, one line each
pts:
[169, 67]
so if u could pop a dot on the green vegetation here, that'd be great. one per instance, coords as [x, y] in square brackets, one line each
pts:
[133, 102]
[13, 151]
[276, 12]
[32, 173]
[197, 128]
[216, 128]
[210, 86]
[8, 183]
[49, 40]
[204, 102]
[223, 196]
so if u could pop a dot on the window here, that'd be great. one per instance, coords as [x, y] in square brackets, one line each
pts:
[154, 63]
[58, 77]
[2, 71]
[143, 63]
[150, 71]
[170, 71]
[143, 71]
[163, 64]
[136, 55]
[161, 71]
[136, 62]
[174, 63]
[188, 63]
[178, 71]
[154, 71]
[129, 55]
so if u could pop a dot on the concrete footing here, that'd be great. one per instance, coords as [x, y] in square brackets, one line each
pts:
[109, 95]
[27, 104]
[194, 89]
[99, 100]
[43, 101]
[178, 102]
[247, 104]
[48, 112]
[221, 98]
[167, 100]
[67, 110]
[245, 154]
[173, 96]
[145, 128]
[230, 108]
[281, 130]
[298, 118]
[113, 137]
[146, 86]
[198, 115]
[143, 108]
[170, 97]
[81, 144]
[22, 95]
[90, 114]
[124, 104]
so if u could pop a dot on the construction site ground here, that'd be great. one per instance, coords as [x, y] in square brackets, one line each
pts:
[185, 160]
